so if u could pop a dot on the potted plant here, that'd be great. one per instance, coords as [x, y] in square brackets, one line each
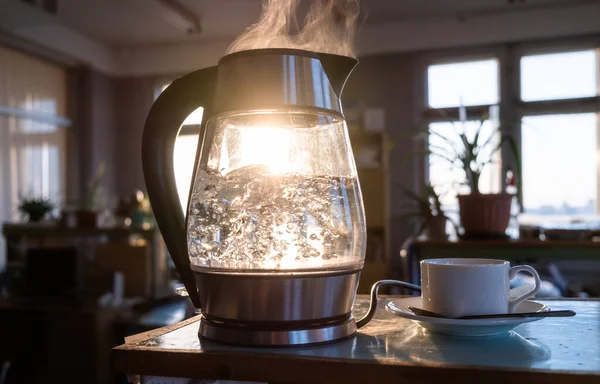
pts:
[481, 215]
[35, 208]
[427, 209]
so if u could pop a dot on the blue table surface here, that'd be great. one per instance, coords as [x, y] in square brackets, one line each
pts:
[551, 344]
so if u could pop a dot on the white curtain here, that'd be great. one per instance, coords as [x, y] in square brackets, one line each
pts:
[32, 133]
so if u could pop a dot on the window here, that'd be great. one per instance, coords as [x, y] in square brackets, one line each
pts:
[560, 164]
[460, 86]
[184, 153]
[464, 83]
[36, 160]
[32, 133]
[184, 157]
[554, 76]
[557, 103]
[559, 147]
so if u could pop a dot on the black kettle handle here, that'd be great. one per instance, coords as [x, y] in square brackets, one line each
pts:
[173, 106]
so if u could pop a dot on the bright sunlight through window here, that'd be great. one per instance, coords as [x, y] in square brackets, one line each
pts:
[563, 75]
[464, 83]
[450, 179]
[451, 85]
[560, 164]
[183, 162]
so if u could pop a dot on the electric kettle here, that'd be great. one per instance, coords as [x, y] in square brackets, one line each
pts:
[274, 239]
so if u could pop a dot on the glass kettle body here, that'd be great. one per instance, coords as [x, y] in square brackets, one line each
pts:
[275, 192]
[275, 230]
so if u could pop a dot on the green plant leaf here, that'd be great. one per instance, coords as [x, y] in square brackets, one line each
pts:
[476, 138]
[449, 141]
[422, 226]
[414, 196]
[444, 150]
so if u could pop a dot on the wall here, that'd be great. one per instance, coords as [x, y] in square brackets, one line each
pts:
[104, 126]
[387, 81]
[108, 116]
[134, 98]
[93, 133]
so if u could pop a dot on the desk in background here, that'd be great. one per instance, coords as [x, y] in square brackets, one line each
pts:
[516, 251]
[41, 235]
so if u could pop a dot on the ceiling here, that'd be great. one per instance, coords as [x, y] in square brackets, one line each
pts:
[139, 37]
[127, 23]
[132, 23]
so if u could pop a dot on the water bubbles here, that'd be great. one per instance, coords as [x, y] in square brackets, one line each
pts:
[218, 208]
[210, 246]
[253, 219]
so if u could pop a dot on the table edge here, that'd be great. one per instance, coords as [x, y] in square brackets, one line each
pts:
[157, 332]
[228, 365]
[243, 365]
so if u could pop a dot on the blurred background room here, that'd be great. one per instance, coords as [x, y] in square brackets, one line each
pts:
[456, 108]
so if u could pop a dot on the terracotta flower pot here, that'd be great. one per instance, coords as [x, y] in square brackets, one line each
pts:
[485, 214]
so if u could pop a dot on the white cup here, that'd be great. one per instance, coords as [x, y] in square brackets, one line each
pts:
[465, 287]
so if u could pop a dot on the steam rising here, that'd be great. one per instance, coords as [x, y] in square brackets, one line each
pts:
[329, 27]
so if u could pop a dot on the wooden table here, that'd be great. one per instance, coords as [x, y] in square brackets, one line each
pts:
[388, 350]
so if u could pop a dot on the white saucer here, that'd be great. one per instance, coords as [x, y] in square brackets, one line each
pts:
[456, 327]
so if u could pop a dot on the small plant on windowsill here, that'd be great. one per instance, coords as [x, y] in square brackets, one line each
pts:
[35, 208]
[427, 209]
[481, 215]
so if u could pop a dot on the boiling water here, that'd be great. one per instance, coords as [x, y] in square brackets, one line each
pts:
[253, 219]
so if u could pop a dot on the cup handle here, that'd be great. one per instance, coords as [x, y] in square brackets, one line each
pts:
[512, 273]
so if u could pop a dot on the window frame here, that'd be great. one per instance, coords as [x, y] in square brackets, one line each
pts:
[512, 107]
[559, 106]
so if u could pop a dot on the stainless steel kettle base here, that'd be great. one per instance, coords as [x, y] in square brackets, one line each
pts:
[265, 337]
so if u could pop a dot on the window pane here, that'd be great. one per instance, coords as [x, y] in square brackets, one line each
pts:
[560, 164]
[37, 171]
[466, 83]
[554, 76]
[183, 160]
[31, 152]
[449, 179]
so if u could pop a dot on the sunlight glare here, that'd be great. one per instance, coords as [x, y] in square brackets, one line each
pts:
[268, 145]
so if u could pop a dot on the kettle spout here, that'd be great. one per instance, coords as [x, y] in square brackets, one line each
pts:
[338, 69]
